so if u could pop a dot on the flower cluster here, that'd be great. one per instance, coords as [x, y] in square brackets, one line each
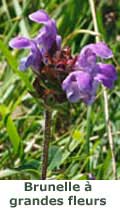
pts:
[40, 45]
[82, 83]
[58, 72]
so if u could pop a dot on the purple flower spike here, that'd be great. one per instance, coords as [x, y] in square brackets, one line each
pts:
[79, 76]
[78, 85]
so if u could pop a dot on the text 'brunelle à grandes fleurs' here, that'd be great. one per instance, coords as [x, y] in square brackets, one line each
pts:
[57, 194]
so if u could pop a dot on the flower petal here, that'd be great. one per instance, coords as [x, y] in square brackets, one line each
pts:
[77, 85]
[108, 70]
[58, 41]
[86, 61]
[47, 36]
[84, 81]
[26, 62]
[51, 29]
[20, 42]
[22, 65]
[34, 59]
[73, 93]
[100, 49]
[107, 75]
[39, 16]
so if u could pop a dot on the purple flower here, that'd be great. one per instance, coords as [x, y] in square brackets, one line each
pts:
[80, 75]
[82, 83]
[40, 45]
[100, 49]
[33, 59]
[48, 34]
[78, 85]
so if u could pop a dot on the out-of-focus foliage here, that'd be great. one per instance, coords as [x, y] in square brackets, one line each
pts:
[22, 117]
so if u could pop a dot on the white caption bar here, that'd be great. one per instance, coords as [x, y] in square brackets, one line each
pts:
[60, 194]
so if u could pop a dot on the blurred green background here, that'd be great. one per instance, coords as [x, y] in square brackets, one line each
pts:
[22, 118]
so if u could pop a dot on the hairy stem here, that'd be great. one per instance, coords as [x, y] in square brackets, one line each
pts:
[47, 137]
[106, 107]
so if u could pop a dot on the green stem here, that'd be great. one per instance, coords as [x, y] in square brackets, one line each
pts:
[88, 134]
[47, 137]
[106, 107]
[92, 6]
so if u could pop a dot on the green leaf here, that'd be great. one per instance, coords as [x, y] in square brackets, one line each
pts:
[55, 156]
[13, 134]
[22, 24]
[11, 128]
